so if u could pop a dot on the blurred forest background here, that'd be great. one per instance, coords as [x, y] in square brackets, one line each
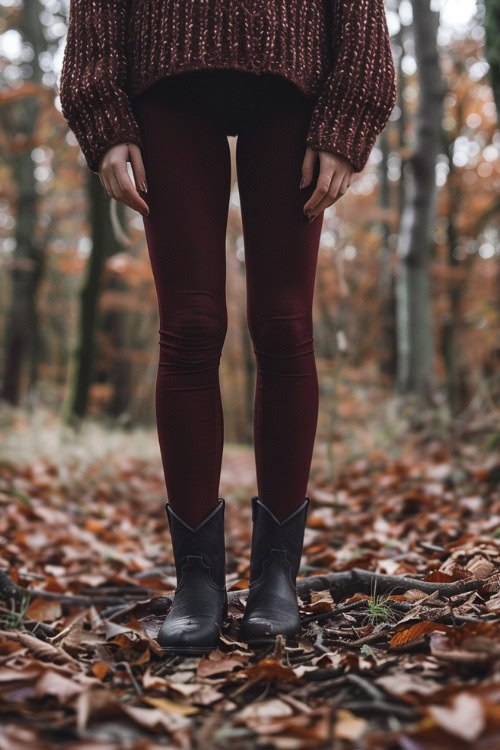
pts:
[406, 305]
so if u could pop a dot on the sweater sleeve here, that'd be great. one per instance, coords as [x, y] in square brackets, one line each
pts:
[359, 94]
[93, 83]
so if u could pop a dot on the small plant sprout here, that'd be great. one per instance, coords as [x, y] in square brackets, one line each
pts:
[379, 608]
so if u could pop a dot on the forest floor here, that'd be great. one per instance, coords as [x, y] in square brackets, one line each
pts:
[399, 593]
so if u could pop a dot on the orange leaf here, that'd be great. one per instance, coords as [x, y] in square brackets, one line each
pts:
[402, 637]
[242, 584]
[100, 669]
[44, 610]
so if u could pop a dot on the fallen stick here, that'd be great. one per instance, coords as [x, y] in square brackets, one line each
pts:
[445, 618]
[372, 638]
[384, 707]
[357, 579]
[12, 591]
[340, 584]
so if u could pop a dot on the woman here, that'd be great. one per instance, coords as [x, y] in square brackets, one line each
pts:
[306, 85]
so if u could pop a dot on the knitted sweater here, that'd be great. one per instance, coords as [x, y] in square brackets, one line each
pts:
[337, 51]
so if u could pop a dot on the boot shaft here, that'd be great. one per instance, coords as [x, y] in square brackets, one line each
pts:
[276, 539]
[205, 542]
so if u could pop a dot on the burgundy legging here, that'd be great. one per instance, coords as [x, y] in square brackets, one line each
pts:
[184, 121]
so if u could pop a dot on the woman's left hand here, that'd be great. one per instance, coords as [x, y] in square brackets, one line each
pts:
[335, 177]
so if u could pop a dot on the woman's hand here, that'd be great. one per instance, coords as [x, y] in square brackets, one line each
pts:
[334, 179]
[115, 178]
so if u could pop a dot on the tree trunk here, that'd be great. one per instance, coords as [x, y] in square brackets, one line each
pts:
[21, 335]
[414, 321]
[456, 371]
[120, 373]
[492, 47]
[103, 244]
[387, 356]
[117, 326]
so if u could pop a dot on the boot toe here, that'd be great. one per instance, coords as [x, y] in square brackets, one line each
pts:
[194, 634]
[260, 627]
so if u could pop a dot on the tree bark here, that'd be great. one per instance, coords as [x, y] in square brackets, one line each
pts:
[21, 337]
[492, 47]
[414, 321]
[104, 243]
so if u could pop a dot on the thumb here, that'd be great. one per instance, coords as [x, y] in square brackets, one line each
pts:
[308, 167]
[137, 167]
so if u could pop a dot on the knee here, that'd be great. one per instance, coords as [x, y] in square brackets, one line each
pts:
[193, 327]
[282, 334]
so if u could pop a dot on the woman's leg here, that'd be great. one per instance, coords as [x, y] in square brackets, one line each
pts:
[187, 162]
[281, 249]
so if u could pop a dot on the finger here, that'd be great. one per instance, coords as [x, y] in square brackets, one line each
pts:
[336, 191]
[345, 183]
[324, 203]
[137, 167]
[107, 184]
[344, 187]
[116, 190]
[321, 190]
[127, 193]
[114, 187]
[308, 167]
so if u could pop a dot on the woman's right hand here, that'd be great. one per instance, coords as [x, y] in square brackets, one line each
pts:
[115, 179]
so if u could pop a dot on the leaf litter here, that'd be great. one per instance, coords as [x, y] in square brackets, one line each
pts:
[399, 592]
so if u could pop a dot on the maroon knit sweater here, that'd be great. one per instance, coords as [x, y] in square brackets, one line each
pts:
[335, 50]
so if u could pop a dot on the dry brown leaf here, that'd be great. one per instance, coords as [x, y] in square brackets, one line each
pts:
[442, 649]
[27, 672]
[96, 704]
[480, 567]
[44, 651]
[270, 669]
[412, 595]
[44, 610]
[217, 663]
[260, 712]
[465, 718]
[401, 683]
[348, 726]
[8, 647]
[164, 704]
[54, 683]
[153, 718]
[321, 601]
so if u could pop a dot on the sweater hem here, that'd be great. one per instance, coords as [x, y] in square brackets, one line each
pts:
[306, 88]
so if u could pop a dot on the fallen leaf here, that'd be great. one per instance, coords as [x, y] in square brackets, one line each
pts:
[465, 718]
[100, 669]
[44, 610]
[164, 704]
[270, 669]
[54, 683]
[348, 726]
[402, 637]
[261, 711]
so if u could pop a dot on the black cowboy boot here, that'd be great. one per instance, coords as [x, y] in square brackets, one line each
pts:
[193, 622]
[272, 606]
